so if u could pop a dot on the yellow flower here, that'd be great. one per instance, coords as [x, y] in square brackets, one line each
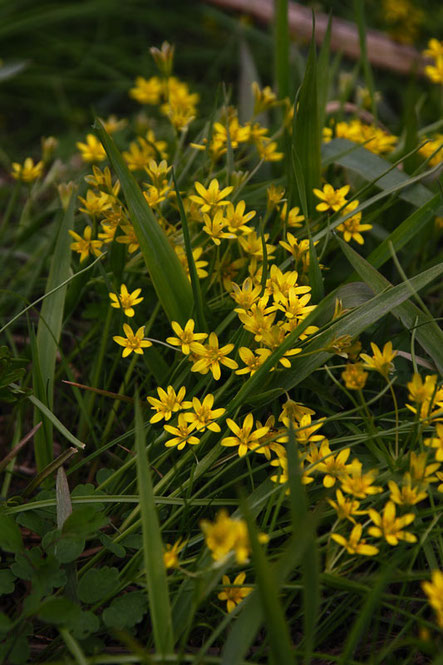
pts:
[92, 150]
[267, 150]
[435, 48]
[163, 57]
[332, 199]
[434, 592]
[170, 555]
[332, 466]
[294, 411]
[186, 337]
[252, 360]
[305, 431]
[390, 527]
[421, 472]
[155, 195]
[408, 495]
[355, 545]
[425, 394]
[247, 295]
[236, 218]
[245, 439]
[234, 594]
[351, 227]
[203, 416]
[168, 403]
[264, 98]
[435, 72]
[158, 172]
[126, 300]
[182, 434]
[436, 442]
[84, 246]
[381, 361]
[199, 265]
[433, 150]
[210, 356]
[147, 91]
[129, 238]
[274, 195]
[214, 227]
[227, 535]
[28, 172]
[95, 203]
[345, 508]
[132, 341]
[294, 218]
[113, 124]
[211, 197]
[358, 484]
[354, 376]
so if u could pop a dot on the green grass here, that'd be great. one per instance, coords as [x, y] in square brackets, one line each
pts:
[94, 491]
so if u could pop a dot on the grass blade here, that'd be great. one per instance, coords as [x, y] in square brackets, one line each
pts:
[428, 333]
[281, 48]
[49, 331]
[277, 627]
[307, 136]
[310, 560]
[156, 581]
[168, 277]
[405, 232]
[195, 282]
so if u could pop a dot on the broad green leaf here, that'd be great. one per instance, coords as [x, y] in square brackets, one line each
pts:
[10, 535]
[156, 580]
[168, 277]
[427, 332]
[126, 611]
[97, 583]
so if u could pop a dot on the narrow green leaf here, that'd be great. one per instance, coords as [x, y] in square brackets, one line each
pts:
[49, 331]
[168, 277]
[10, 535]
[352, 324]
[281, 48]
[369, 79]
[56, 422]
[310, 560]
[366, 613]
[374, 168]
[156, 581]
[63, 497]
[323, 75]
[195, 282]
[427, 332]
[306, 132]
[277, 627]
[406, 231]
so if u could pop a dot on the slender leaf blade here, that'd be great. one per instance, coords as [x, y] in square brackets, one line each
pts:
[168, 277]
[156, 580]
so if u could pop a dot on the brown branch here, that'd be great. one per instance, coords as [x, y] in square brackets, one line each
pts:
[382, 51]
